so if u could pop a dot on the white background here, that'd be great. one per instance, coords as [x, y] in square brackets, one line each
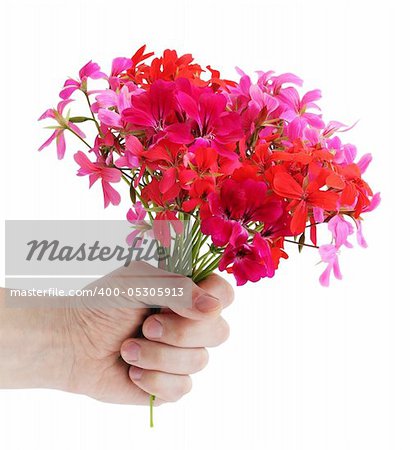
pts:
[305, 367]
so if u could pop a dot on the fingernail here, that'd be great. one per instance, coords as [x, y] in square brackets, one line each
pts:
[135, 373]
[205, 303]
[131, 352]
[153, 329]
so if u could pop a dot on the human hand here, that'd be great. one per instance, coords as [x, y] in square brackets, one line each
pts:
[81, 354]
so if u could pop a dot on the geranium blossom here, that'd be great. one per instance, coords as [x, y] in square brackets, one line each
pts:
[329, 255]
[99, 170]
[239, 171]
[89, 70]
[62, 125]
[248, 261]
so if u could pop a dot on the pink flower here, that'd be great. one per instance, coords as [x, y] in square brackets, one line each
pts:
[89, 70]
[359, 235]
[274, 83]
[329, 255]
[58, 133]
[214, 125]
[318, 214]
[119, 65]
[254, 103]
[364, 162]
[110, 118]
[260, 100]
[344, 154]
[99, 170]
[108, 99]
[253, 95]
[295, 112]
[133, 149]
[340, 229]
[375, 202]
[248, 261]
[136, 216]
[237, 204]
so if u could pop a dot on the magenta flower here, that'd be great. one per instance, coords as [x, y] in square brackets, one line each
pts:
[89, 70]
[99, 170]
[237, 204]
[155, 111]
[248, 261]
[329, 255]
[58, 133]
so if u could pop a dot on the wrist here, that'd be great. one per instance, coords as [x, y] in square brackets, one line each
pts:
[35, 350]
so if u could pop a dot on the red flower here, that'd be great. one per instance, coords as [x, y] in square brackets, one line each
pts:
[159, 194]
[199, 179]
[167, 67]
[303, 198]
[162, 226]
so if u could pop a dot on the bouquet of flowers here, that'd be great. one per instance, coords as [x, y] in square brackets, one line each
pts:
[249, 163]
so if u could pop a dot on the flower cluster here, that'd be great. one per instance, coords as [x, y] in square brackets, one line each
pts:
[250, 161]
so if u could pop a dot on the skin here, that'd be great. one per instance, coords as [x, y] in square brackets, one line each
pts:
[93, 350]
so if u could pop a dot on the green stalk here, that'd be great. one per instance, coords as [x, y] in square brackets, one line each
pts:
[152, 399]
[94, 117]
[84, 142]
[207, 271]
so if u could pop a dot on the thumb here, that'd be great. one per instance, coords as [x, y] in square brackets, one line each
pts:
[219, 288]
[143, 285]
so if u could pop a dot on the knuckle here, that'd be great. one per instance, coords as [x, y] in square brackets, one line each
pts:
[201, 358]
[180, 387]
[183, 387]
[223, 331]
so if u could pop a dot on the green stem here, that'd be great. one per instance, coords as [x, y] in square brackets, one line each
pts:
[303, 245]
[205, 265]
[77, 135]
[94, 117]
[152, 399]
[199, 276]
